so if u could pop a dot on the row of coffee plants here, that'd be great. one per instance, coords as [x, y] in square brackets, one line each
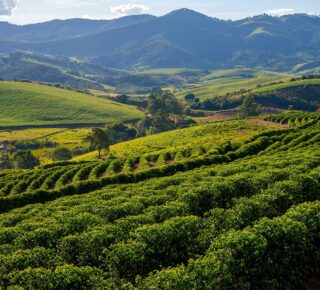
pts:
[229, 224]
[294, 118]
[76, 179]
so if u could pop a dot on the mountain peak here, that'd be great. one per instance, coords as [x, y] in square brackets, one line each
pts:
[185, 12]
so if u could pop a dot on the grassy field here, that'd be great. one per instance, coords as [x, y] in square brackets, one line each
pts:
[206, 136]
[221, 83]
[170, 71]
[67, 138]
[285, 85]
[33, 104]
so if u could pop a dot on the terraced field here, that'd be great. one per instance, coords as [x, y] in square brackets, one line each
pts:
[243, 216]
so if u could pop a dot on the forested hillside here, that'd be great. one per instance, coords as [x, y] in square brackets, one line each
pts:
[182, 38]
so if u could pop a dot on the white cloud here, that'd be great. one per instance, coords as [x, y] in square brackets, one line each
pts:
[280, 11]
[7, 7]
[129, 9]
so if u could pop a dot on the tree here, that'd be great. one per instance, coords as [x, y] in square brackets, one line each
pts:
[164, 101]
[189, 97]
[119, 132]
[143, 126]
[99, 139]
[5, 162]
[249, 108]
[161, 122]
[61, 154]
[25, 160]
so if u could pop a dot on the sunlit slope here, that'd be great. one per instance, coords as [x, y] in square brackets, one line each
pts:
[197, 138]
[220, 83]
[34, 104]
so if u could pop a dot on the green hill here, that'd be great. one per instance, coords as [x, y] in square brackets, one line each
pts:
[221, 82]
[301, 94]
[279, 91]
[244, 215]
[194, 140]
[33, 104]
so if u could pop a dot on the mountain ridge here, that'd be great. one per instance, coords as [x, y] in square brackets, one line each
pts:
[185, 38]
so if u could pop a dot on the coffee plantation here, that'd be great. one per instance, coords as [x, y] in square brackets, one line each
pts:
[240, 215]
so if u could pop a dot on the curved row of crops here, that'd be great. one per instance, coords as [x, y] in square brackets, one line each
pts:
[45, 184]
[249, 218]
[294, 118]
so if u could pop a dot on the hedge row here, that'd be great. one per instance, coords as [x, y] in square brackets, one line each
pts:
[273, 254]
[258, 144]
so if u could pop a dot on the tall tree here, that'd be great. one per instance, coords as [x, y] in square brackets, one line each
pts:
[249, 108]
[164, 101]
[161, 122]
[25, 160]
[5, 162]
[99, 139]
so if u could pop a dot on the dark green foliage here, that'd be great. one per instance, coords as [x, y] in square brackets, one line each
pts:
[25, 160]
[99, 139]
[165, 102]
[242, 216]
[5, 162]
[61, 154]
[248, 108]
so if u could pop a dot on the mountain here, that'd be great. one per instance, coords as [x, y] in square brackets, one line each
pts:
[185, 38]
[64, 29]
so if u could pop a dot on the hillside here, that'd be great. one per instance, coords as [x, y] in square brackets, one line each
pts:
[221, 82]
[215, 221]
[32, 104]
[301, 94]
[184, 38]
[283, 92]
[196, 140]
[64, 29]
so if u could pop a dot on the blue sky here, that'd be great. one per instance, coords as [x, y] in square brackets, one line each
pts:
[31, 11]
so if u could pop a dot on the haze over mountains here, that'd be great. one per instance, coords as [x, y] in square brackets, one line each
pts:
[182, 38]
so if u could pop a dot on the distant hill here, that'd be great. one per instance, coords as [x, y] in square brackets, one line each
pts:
[79, 75]
[68, 72]
[64, 29]
[25, 104]
[182, 38]
[273, 91]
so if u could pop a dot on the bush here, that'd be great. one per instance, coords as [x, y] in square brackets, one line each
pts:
[61, 154]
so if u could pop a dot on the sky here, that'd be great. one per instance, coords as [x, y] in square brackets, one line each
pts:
[34, 11]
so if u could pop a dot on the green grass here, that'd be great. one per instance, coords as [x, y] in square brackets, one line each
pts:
[34, 104]
[239, 73]
[169, 71]
[285, 85]
[222, 83]
[68, 138]
[259, 31]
